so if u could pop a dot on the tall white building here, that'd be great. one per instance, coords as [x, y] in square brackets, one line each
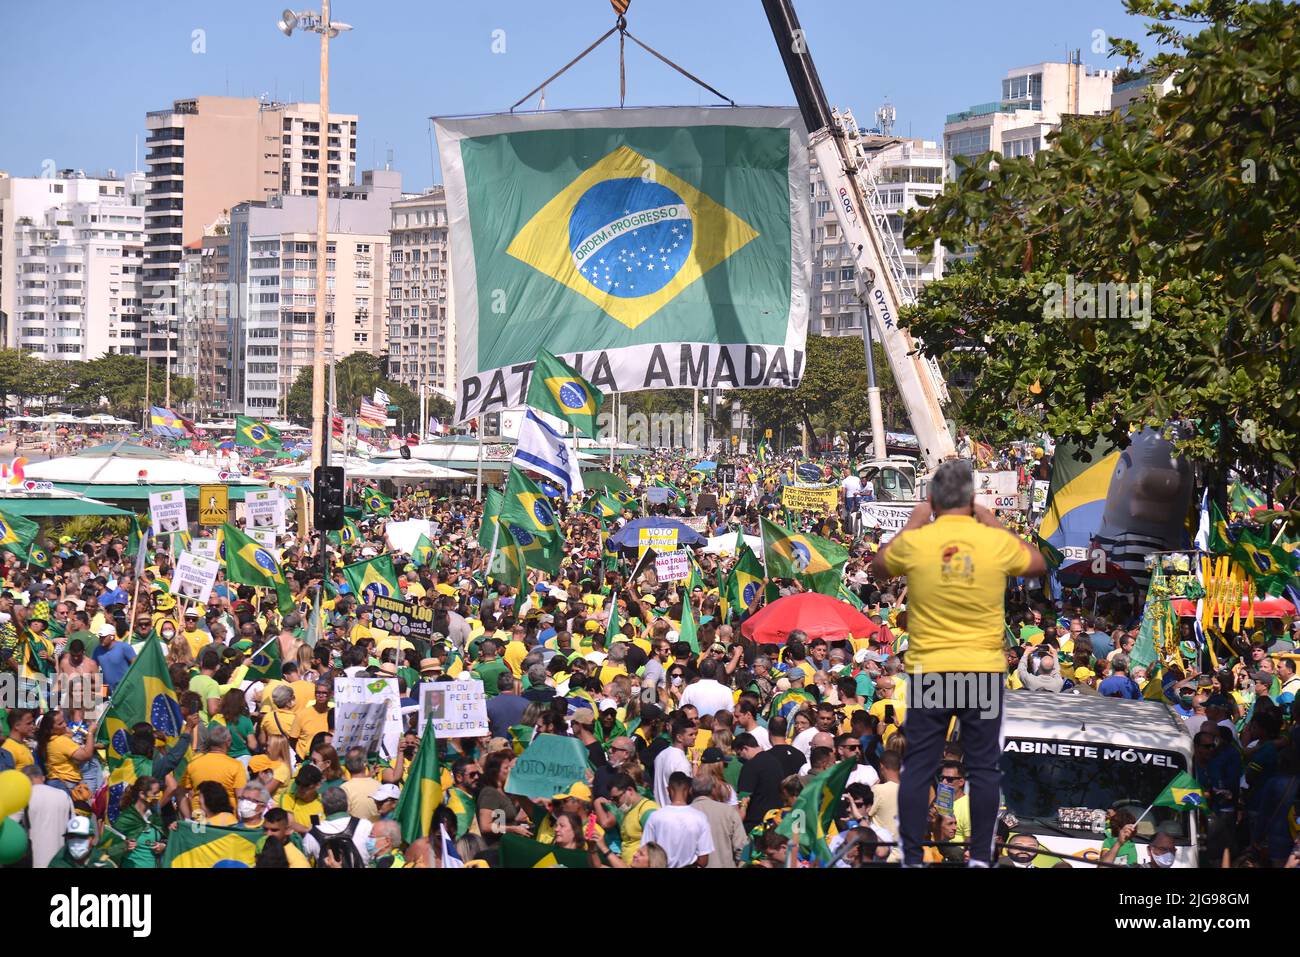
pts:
[71, 249]
[903, 169]
[421, 327]
[1034, 99]
[272, 276]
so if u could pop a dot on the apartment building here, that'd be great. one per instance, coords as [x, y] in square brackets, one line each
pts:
[421, 329]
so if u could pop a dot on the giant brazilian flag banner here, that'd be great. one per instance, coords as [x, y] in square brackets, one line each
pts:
[649, 248]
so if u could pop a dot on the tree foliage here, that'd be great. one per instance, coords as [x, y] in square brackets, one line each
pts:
[832, 396]
[1193, 199]
[118, 378]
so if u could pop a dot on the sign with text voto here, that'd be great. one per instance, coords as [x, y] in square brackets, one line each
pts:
[547, 768]
[458, 708]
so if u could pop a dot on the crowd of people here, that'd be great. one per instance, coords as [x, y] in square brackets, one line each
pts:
[698, 746]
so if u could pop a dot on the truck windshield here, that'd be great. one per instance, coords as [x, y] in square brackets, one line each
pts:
[1055, 787]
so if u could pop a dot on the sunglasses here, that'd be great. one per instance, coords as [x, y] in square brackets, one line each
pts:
[951, 777]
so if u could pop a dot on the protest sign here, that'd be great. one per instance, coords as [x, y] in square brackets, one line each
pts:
[810, 498]
[662, 540]
[266, 538]
[194, 577]
[655, 495]
[999, 500]
[673, 566]
[547, 768]
[167, 512]
[264, 508]
[458, 708]
[888, 518]
[1002, 482]
[205, 548]
[403, 618]
[699, 523]
[352, 696]
[1041, 487]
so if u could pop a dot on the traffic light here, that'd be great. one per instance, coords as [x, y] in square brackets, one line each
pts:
[328, 493]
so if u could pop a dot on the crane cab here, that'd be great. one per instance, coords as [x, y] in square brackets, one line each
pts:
[893, 479]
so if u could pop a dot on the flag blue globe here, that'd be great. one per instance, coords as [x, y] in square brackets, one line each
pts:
[630, 237]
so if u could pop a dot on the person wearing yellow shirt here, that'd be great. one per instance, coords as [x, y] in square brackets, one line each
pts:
[516, 651]
[278, 826]
[301, 800]
[214, 764]
[22, 725]
[314, 719]
[956, 557]
[194, 636]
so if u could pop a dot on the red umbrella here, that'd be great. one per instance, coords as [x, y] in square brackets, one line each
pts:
[820, 616]
[1109, 571]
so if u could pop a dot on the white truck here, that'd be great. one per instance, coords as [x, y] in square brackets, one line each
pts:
[1068, 759]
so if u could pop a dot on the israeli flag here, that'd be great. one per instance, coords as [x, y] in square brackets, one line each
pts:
[450, 856]
[542, 449]
[1202, 540]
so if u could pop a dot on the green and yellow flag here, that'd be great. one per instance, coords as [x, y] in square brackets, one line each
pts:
[681, 496]
[1183, 792]
[526, 505]
[603, 506]
[265, 665]
[249, 563]
[145, 693]
[17, 534]
[38, 556]
[422, 793]
[744, 584]
[689, 632]
[424, 555]
[815, 809]
[347, 537]
[371, 579]
[256, 434]
[194, 844]
[557, 388]
[799, 554]
[376, 502]
[491, 510]
[518, 851]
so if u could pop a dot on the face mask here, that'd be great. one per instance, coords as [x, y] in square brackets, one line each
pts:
[370, 847]
[168, 633]
[1163, 860]
[79, 847]
[247, 809]
[4, 617]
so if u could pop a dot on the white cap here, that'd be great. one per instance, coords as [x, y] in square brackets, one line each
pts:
[106, 629]
[385, 792]
[607, 703]
[368, 552]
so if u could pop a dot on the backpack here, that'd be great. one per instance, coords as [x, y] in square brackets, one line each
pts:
[340, 846]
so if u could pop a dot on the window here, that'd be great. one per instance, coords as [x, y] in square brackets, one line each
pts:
[967, 142]
[846, 274]
[823, 207]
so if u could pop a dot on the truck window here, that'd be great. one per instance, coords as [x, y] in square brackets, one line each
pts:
[1061, 793]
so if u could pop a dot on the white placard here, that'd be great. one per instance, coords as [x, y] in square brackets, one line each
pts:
[888, 518]
[360, 725]
[673, 567]
[194, 577]
[206, 548]
[1041, 488]
[266, 538]
[403, 536]
[264, 509]
[1003, 482]
[998, 500]
[458, 708]
[167, 511]
[351, 695]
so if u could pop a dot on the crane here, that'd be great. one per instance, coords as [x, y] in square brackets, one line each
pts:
[882, 283]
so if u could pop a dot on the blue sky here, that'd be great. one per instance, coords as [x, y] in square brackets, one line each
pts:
[77, 84]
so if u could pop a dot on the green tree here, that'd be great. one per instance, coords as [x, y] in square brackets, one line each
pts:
[355, 378]
[832, 396]
[1191, 201]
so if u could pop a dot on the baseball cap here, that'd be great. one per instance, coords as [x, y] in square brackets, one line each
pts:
[578, 790]
[713, 755]
[106, 629]
[1082, 673]
[386, 792]
[608, 704]
[651, 712]
[583, 716]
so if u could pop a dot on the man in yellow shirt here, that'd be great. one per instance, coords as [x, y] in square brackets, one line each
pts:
[214, 764]
[22, 726]
[314, 719]
[956, 557]
[516, 650]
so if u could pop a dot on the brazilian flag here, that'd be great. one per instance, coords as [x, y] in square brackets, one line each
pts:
[1051, 554]
[534, 551]
[265, 665]
[801, 555]
[376, 502]
[602, 506]
[17, 534]
[518, 851]
[557, 388]
[1271, 566]
[139, 534]
[528, 506]
[257, 434]
[744, 582]
[689, 632]
[1183, 792]
[347, 537]
[194, 844]
[423, 554]
[422, 793]
[815, 809]
[371, 579]
[38, 556]
[249, 563]
[145, 693]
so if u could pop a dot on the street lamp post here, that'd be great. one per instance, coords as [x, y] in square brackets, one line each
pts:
[320, 426]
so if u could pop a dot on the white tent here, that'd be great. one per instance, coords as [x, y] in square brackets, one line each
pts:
[130, 466]
[351, 465]
[100, 418]
[403, 470]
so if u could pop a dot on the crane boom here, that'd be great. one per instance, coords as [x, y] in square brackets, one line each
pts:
[883, 284]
